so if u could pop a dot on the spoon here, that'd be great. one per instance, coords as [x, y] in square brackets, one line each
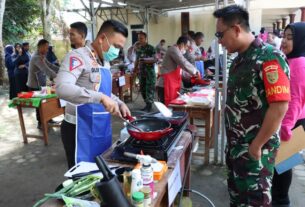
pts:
[130, 124]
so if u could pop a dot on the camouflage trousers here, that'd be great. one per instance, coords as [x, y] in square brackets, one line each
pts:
[147, 85]
[249, 180]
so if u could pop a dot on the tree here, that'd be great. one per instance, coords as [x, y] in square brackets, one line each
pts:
[2, 8]
[45, 18]
[21, 20]
[17, 20]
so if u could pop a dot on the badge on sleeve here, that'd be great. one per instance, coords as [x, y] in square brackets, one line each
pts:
[276, 82]
[75, 62]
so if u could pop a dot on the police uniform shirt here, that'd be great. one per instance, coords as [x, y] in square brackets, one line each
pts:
[78, 79]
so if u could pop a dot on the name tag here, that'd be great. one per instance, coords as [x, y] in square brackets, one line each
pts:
[122, 81]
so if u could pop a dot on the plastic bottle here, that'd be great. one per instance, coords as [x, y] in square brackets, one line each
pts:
[136, 181]
[137, 199]
[127, 182]
[147, 174]
[124, 134]
[147, 199]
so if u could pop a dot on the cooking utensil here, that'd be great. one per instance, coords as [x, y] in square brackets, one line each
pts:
[163, 109]
[130, 124]
[152, 129]
[101, 164]
[109, 187]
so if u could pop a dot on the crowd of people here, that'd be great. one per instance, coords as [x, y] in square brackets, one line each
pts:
[254, 111]
[22, 66]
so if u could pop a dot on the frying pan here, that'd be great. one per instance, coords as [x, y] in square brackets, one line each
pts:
[153, 129]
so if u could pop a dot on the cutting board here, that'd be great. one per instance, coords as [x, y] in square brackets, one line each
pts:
[294, 145]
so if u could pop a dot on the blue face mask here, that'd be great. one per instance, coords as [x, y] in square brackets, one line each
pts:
[112, 53]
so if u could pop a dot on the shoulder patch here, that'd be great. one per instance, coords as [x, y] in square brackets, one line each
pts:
[276, 82]
[75, 62]
[271, 69]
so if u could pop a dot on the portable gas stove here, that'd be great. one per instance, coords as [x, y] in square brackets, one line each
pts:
[159, 149]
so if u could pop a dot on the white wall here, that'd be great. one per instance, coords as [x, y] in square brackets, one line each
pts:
[169, 27]
[255, 20]
[201, 19]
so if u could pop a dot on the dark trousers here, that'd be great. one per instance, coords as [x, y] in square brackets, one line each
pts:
[160, 92]
[282, 182]
[21, 77]
[280, 188]
[147, 85]
[13, 93]
[68, 140]
[37, 109]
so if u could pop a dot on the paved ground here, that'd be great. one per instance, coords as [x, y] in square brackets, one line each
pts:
[29, 171]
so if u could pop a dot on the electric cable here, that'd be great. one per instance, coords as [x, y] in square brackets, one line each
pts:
[184, 180]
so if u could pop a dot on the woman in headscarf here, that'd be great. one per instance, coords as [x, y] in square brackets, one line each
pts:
[10, 66]
[293, 46]
[21, 70]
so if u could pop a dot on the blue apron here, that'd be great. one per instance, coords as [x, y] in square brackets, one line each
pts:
[93, 124]
[200, 66]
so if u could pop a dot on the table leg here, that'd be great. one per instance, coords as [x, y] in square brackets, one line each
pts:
[21, 120]
[207, 138]
[131, 85]
[188, 169]
[44, 123]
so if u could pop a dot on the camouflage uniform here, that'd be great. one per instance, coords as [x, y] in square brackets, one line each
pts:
[249, 180]
[147, 74]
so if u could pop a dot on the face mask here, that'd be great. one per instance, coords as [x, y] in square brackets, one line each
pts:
[112, 53]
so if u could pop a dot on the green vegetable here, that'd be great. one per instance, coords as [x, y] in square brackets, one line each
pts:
[72, 189]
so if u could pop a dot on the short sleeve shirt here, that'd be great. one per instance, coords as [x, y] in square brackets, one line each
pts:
[257, 77]
[146, 51]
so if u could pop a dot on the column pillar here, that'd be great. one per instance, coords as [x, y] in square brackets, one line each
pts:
[274, 26]
[284, 23]
[303, 14]
[291, 18]
[278, 25]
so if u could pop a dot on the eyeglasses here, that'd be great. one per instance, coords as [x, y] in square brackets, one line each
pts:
[220, 35]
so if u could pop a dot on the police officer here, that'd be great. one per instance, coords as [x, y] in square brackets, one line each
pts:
[77, 34]
[146, 70]
[84, 80]
[258, 95]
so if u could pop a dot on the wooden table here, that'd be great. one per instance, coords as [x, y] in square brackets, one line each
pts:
[124, 91]
[48, 109]
[176, 156]
[202, 113]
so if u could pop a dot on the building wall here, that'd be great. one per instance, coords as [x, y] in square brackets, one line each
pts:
[169, 27]
[201, 19]
[255, 20]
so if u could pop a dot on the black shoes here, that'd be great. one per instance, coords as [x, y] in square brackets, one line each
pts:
[53, 122]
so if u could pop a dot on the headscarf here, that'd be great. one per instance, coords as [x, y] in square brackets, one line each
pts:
[9, 49]
[298, 33]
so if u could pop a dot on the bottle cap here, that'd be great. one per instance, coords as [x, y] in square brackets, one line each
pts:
[138, 196]
[146, 164]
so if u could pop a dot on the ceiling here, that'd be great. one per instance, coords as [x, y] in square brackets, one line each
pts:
[170, 4]
[156, 6]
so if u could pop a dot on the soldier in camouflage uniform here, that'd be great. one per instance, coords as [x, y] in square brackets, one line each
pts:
[146, 70]
[258, 95]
